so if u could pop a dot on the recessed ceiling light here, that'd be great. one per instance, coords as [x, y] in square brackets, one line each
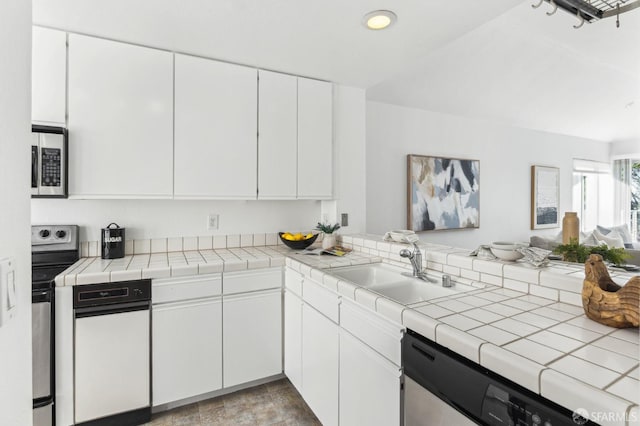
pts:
[379, 19]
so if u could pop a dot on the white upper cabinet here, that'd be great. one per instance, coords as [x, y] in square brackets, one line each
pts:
[216, 124]
[278, 139]
[48, 76]
[315, 139]
[120, 120]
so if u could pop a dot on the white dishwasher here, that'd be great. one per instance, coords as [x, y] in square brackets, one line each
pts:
[112, 368]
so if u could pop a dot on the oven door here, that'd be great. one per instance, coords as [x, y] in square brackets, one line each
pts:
[42, 276]
[42, 333]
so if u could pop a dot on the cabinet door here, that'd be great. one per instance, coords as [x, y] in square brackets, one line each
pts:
[120, 120]
[315, 139]
[252, 280]
[293, 339]
[216, 108]
[369, 385]
[48, 76]
[187, 349]
[277, 136]
[252, 336]
[320, 365]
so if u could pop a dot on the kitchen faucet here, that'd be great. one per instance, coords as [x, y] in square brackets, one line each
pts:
[415, 257]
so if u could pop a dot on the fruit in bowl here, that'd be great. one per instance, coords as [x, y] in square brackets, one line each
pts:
[297, 241]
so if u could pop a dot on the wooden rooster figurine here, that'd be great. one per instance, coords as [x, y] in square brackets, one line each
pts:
[605, 301]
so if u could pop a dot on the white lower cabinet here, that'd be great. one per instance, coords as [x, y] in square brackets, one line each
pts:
[369, 385]
[187, 337]
[252, 336]
[187, 349]
[293, 339]
[320, 364]
[204, 339]
[343, 358]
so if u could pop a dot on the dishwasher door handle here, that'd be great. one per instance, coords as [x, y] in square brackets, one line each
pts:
[119, 308]
[424, 352]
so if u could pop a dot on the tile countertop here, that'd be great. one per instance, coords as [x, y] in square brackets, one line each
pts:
[543, 344]
[95, 270]
[549, 347]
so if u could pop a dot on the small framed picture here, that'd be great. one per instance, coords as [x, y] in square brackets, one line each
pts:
[545, 197]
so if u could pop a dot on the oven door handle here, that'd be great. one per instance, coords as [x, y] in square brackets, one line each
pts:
[41, 296]
[118, 308]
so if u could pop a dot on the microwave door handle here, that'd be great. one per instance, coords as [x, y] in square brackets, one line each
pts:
[34, 166]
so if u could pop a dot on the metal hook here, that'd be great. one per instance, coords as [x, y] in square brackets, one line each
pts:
[535, 6]
[581, 21]
[618, 15]
[555, 8]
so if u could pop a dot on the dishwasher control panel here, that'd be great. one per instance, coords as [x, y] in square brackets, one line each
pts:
[90, 295]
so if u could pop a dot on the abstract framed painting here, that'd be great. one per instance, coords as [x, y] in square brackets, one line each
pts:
[442, 193]
[545, 197]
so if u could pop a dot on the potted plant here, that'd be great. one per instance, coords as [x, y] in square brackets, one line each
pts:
[576, 252]
[329, 239]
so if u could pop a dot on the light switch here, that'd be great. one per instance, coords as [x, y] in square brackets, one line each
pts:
[11, 290]
[7, 290]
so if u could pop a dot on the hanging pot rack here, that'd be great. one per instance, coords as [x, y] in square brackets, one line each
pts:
[591, 10]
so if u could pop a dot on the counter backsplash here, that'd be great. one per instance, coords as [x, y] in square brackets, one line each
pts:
[559, 281]
[207, 242]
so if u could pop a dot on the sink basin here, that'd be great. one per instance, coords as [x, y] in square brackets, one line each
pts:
[370, 274]
[388, 281]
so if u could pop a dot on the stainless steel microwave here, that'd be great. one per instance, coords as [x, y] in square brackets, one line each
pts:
[49, 162]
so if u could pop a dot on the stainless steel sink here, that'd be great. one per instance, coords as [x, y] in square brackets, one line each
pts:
[388, 281]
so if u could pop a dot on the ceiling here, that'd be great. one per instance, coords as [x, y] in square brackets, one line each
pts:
[499, 60]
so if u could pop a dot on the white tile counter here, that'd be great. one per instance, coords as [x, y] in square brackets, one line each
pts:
[526, 323]
[94, 270]
[536, 342]
[528, 326]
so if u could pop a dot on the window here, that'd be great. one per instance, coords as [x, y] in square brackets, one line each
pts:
[593, 193]
[635, 199]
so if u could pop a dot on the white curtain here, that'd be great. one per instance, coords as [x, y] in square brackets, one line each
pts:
[622, 191]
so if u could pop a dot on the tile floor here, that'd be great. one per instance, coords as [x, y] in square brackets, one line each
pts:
[275, 403]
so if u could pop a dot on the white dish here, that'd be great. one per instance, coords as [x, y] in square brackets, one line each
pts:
[505, 250]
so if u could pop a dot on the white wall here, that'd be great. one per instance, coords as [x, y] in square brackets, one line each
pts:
[506, 155]
[625, 149]
[349, 157]
[174, 218]
[15, 137]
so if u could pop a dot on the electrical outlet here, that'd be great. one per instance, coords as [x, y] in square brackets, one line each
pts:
[213, 222]
[344, 219]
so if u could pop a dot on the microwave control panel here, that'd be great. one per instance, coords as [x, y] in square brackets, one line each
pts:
[51, 166]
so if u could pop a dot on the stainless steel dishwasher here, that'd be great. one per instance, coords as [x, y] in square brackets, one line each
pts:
[112, 361]
[443, 388]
